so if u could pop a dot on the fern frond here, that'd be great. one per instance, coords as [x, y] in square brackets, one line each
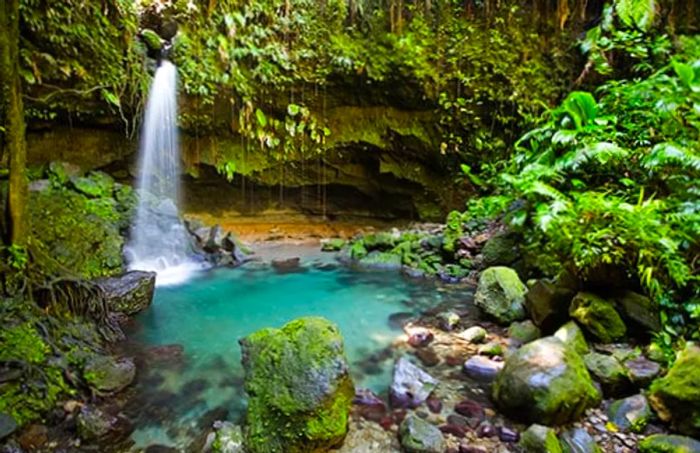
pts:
[666, 154]
[601, 153]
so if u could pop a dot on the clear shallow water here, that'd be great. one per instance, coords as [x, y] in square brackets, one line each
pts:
[177, 399]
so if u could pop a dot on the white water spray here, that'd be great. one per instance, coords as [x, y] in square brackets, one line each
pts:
[159, 241]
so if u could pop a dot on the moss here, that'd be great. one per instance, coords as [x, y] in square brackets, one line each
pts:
[598, 316]
[501, 294]
[676, 396]
[570, 334]
[152, 40]
[453, 231]
[300, 391]
[663, 443]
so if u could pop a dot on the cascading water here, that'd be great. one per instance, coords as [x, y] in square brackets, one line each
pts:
[159, 241]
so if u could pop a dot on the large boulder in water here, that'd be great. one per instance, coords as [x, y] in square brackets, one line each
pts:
[129, 293]
[299, 387]
[676, 397]
[501, 294]
[597, 316]
[545, 382]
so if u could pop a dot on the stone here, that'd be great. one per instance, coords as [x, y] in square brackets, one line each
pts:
[474, 334]
[608, 372]
[33, 437]
[571, 335]
[448, 320]
[669, 443]
[641, 371]
[419, 336]
[482, 368]
[597, 316]
[285, 265]
[676, 396]
[639, 309]
[630, 414]
[332, 245]
[547, 303]
[500, 249]
[427, 356]
[491, 349]
[539, 439]
[369, 405]
[8, 425]
[410, 385]
[524, 331]
[509, 435]
[129, 293]
[96, 184]
[384, 261]
[92, 423]
[419, 436]
[470, 409]
[434, 405]
[544, 382]
[299, 387]
[226, 438]
[109, 375]
[577, 440]
[501, 294]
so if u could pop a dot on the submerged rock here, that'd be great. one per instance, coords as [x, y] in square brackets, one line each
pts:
[419, 436]
[299, 387]
[129, 293]
[664, 443]
[501, 294]
[108, 375]
[539, 439]
[545, 382]
[474, 334]
[597, 316]
[676, 396]
[410, 385]
[285, 265]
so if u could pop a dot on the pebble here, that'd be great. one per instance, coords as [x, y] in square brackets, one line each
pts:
[508, 435]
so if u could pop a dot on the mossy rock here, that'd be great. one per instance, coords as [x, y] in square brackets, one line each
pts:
[597, 316]
[630, 414]
[524, 331]
[299, 387]
[380, 261]
[676, 396]
[419, 436]
[107, 375]
[96, 184]
[501, 294]
[152, 40]
[539, 439]
[571, 335]
[610, 373]
[380, 241]
[545, 382]
[332, 245]
[639, 309]
[500, 249]
[664, 443]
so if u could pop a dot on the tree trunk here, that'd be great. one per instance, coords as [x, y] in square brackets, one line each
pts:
[13, 120]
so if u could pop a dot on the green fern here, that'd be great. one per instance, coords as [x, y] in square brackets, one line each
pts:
[601, 153]
[670, 154]
[636, 13]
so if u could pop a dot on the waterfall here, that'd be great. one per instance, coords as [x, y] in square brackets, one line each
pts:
[159, 241]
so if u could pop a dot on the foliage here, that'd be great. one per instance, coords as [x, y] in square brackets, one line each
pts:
[613, 183]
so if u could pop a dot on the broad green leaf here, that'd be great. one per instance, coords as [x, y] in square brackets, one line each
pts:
[262, 119]
[636, 13]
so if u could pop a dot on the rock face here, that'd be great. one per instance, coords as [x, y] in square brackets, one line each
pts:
[662, 443]
[107, 375]
[597, 316]
[539, 439]
[419, 436]
[676, 397]
[129, 293]
[501, 294]
[545, 382]
[300, 391]
[410, 385]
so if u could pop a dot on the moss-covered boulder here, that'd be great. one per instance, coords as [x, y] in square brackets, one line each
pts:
[129, 293]
[639, 309]
[539, 439]
[500, 249]
[597, 316]
[299, 388]
[524, 331]
[545, 382]
[664, 443]
[571, 335]
[630, 414]
[501, 294]
[106, 374]
[547, 301]
[676, 396]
